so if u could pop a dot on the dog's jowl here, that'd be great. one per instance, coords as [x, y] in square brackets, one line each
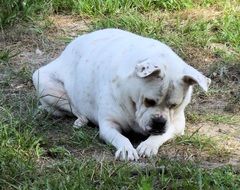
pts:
[121, 82]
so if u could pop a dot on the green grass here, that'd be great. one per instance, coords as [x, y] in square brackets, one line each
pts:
[215, 118]
[26, 164]
[15, 10]
[200, 33]
[110, 7]
[134, 22]
[42, 152]
[6, 55]
[24, 171]
[19, 149]
[89, 174]
[202, 143]
[37, 153]
[226, 119]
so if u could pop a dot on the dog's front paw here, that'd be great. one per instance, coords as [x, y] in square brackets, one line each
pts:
[146, 149]
[80, 122]
[126, 153]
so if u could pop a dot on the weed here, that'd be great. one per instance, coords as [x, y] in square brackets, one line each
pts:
[6, 55]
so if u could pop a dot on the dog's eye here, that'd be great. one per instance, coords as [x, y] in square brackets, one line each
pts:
[149, 102]
[172, 106]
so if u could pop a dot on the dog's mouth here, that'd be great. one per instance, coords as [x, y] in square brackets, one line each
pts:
[156, 132]
[153, 131]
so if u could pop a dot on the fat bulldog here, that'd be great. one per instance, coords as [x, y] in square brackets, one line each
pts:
[121, 82]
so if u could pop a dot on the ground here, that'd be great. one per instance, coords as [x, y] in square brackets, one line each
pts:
[57, 155]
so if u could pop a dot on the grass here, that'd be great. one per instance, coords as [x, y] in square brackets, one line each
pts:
[201, 33]
[215, 118]
[98, 7]
[82, 174]
[200, 144]
[42, 152]
[15, 10]
[26, 163]
[6, 55]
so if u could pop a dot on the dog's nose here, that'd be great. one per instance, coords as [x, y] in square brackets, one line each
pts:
[158, 125]
[158, 122]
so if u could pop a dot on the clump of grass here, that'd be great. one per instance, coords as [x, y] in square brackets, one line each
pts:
[89, 174]
[11, 11]
[83, 138]
[174, 4]
[226, 119]
[215, 118]
[133, 22]
[20, 149]
[99, 7]
[6, 55]
[23, 74]
[58, 152]
[200, 142]
[15, 10]
[176, 32]
[204, 144]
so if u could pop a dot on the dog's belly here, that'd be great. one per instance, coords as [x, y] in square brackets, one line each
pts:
[87, 70]
[81, 89]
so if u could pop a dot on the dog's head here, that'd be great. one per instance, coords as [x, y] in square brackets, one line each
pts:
[163, 91]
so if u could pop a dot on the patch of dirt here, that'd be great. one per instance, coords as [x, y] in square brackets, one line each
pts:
[38, 43]
[227, 136]
[209, 104]
[226, 151]
[200, 58]
[68, 25]
[29, 46]
[200, 13]
[222, 47]
[185, 15]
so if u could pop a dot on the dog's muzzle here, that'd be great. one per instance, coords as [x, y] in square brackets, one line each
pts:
[157, 125]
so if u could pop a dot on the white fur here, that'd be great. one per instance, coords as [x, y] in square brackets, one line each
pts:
[105, 75]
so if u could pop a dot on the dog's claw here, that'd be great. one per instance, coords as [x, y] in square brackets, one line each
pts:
[126, 153]
[147, 150]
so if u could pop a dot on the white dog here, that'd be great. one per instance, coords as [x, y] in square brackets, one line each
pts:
[121, 82]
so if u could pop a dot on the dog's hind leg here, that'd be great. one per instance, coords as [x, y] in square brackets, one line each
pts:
[52, 94]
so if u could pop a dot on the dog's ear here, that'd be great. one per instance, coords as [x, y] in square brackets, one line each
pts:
[146, 69]
[192, 76]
